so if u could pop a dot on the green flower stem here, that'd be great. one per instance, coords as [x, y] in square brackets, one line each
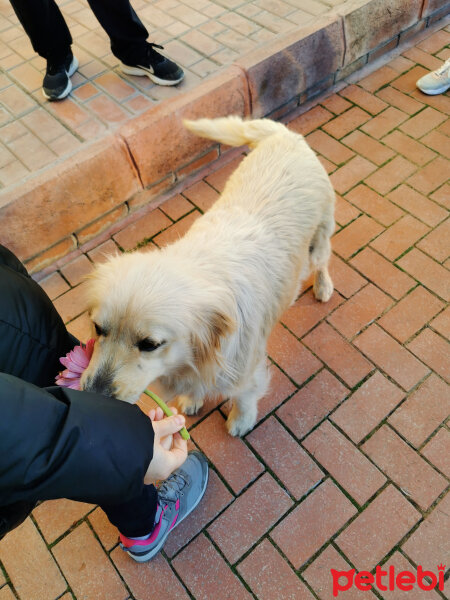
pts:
[166, 410]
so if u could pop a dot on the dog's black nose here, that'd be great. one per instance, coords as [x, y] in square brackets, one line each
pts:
[100, 383]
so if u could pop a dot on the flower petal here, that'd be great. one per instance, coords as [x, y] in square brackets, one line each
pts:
[74, 386]
[78, 356]
[76, 361]
[71, 366]
[70, 383]
[67, 374]
[89, 348]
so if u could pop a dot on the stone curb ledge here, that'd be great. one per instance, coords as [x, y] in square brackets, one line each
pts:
[111, 179]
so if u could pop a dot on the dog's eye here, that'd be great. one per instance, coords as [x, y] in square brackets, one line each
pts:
[148, 345]
[98, 330]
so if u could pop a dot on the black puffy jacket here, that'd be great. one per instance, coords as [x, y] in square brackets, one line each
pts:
[56, 442]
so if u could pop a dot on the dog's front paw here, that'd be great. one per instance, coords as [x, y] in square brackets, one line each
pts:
[240, 424]
[188, 406]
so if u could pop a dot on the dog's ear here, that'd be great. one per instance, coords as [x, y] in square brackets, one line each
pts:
[206, 340]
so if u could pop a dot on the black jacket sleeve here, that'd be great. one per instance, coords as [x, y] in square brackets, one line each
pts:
[61, 443]
[32, 334]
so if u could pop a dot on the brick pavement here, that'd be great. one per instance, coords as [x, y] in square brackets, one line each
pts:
[35, 133]
[348, 465]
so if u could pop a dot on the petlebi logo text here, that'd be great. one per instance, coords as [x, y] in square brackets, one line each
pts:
[388, 580]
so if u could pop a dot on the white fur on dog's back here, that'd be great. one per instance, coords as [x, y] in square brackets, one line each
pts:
[282, 182]
[260, 229]
[234, 131]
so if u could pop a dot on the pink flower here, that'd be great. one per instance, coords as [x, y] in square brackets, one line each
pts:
[76, 362]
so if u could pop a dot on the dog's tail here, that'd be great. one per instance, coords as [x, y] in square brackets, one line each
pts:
[234, 131]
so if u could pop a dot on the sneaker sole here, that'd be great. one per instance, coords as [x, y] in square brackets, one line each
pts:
[73, 67]
[436, 91]
[140, 72]
[154, 551]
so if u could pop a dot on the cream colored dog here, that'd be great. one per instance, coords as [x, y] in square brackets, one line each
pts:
[197, 314]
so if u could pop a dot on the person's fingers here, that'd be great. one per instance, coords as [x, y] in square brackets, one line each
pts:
[174, 409]
[168, 426]
[179, 445]
[156, 414]
[177, 455]
[166, 442]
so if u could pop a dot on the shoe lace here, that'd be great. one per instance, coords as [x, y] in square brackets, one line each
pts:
[153, 56]
[442, 70]
[175, 483]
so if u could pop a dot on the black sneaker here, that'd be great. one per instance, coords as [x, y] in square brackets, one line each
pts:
[157, 67]
[57, 84]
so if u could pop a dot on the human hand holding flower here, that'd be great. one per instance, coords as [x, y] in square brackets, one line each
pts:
[169, 448]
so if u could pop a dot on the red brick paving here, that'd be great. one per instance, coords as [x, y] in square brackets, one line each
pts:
[226, 454]
[55, 517]
[249, 517]
[374, 205]
[383, 273]
[347, 465]
[417, 204]
[376, 530]
[106, 532]
[365, 306]
[432, 349]
[269, 576]
[344, 212]
[401, 236]
[415, 423]
[436, 450]
[87, 568]
[410, 314]
[430, 542]
[375, 399]
[30, 565]
[317, 574]
[281, 453]
[397, 459]
[206, 574]
[312, 403]
[154, 577]
[400, 563]
[312, 523]
[387, 354]
[340, 356]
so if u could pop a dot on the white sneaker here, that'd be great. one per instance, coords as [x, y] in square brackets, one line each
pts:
[436, 82]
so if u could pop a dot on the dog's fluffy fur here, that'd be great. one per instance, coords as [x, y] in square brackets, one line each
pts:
[212, 298]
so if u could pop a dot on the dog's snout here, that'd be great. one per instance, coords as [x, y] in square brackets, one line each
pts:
[101, 383]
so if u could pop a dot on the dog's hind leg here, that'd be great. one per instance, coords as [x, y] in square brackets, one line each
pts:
[319, 253]
[242, 417]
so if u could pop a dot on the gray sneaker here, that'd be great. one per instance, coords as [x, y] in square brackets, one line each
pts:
[177, 498]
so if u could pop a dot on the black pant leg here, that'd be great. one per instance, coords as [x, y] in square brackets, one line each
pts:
[45, 26]
[126, 31]
[61, 443]
[136, 517]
